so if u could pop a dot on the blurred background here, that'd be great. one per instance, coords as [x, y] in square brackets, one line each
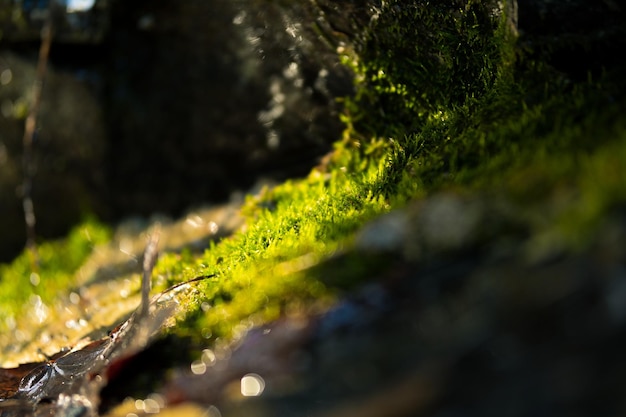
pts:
[159, 105]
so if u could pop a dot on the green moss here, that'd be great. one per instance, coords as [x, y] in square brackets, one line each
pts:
[57, 264]
[266, 270]
[446, 99]
[418, 68]
[460, 104]
[420, 58]
[523, 141]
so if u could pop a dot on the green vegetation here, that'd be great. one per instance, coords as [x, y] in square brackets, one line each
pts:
[446, 100]
[57, 264]
[425, 58]
[266, 269]
[463, 109]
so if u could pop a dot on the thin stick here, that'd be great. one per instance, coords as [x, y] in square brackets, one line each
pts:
[29, 133]
[149, 260]
[180, 284]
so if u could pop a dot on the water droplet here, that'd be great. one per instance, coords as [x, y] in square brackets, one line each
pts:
[252, 385]
[74, 298]
[139, 405]
[160, 400]
[198, 367]
[34, 279]
[151, 406]
[206, 333]
[208, 357]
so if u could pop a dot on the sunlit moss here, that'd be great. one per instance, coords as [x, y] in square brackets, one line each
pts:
[55, 271]
[466, 109]
[265, 270]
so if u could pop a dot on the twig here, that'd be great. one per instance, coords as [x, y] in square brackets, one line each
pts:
[29, 134]
[149, 260]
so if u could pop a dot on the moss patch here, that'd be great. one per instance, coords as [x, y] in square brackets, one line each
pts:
[264, 271]
[484, 113]
[447, 99]
[55, 271]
